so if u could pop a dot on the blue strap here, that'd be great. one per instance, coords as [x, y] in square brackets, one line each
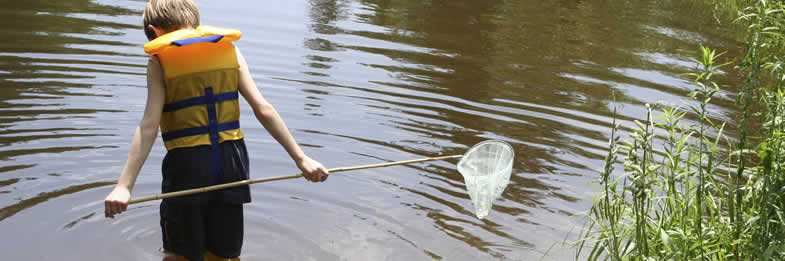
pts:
[212, 128]
[216, 158]
[206, 39]
[167, 136]
[173, 106]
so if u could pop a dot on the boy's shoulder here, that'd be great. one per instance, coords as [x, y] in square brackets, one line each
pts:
[153, 61]
[154, 65]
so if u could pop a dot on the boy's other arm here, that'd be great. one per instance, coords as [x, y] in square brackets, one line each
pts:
[143, 140]
[272, 122]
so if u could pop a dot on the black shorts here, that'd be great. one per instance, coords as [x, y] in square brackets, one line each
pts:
[191, 230]
[213, 221]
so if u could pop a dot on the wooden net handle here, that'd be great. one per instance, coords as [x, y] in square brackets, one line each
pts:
[271, 179]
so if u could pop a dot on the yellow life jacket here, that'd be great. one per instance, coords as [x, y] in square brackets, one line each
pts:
[201, 79]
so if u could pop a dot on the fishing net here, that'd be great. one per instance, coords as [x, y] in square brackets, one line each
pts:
[486, 169]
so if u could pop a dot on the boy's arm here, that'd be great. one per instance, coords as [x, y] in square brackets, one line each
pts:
[143, 140]
[272, 122]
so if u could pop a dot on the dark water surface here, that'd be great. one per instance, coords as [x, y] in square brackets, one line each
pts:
[357, 82]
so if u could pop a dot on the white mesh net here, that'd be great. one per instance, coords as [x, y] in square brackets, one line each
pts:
[486, 169]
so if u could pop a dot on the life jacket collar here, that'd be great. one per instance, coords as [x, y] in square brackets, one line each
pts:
[188, 36]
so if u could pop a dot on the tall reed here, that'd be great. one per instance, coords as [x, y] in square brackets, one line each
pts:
[687, 192]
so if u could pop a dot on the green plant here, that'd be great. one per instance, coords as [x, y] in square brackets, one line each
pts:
[666, 206]
[686, 195]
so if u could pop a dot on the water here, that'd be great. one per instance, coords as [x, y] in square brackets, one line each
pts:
[357, 82]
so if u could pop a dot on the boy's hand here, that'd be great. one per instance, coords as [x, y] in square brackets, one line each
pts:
[117, 201]
[312, 170]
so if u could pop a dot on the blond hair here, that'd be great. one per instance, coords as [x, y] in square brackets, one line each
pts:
[169, 15]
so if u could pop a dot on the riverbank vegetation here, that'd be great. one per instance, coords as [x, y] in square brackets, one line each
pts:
[683, 189]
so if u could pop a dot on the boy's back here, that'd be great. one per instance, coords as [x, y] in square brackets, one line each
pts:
[201, 75]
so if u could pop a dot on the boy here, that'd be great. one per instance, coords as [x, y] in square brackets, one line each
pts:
[194, 76]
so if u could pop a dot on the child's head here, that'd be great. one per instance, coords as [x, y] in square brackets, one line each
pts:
[162, 16]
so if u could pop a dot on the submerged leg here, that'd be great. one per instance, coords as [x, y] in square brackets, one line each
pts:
[173, 257]
[212, 257]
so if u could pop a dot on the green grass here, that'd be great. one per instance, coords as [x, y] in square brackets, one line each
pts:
[688, 192]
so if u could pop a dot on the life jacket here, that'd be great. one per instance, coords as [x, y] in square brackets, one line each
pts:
[201, 79]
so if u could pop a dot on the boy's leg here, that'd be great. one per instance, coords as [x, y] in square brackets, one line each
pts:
[183, 230]
[173, 257]
[224, 230]
[212, 257]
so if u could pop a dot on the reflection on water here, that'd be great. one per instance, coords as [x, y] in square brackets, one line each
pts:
[358, 81]
[40, 198]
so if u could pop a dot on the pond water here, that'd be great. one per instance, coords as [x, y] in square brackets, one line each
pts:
[357, 82]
